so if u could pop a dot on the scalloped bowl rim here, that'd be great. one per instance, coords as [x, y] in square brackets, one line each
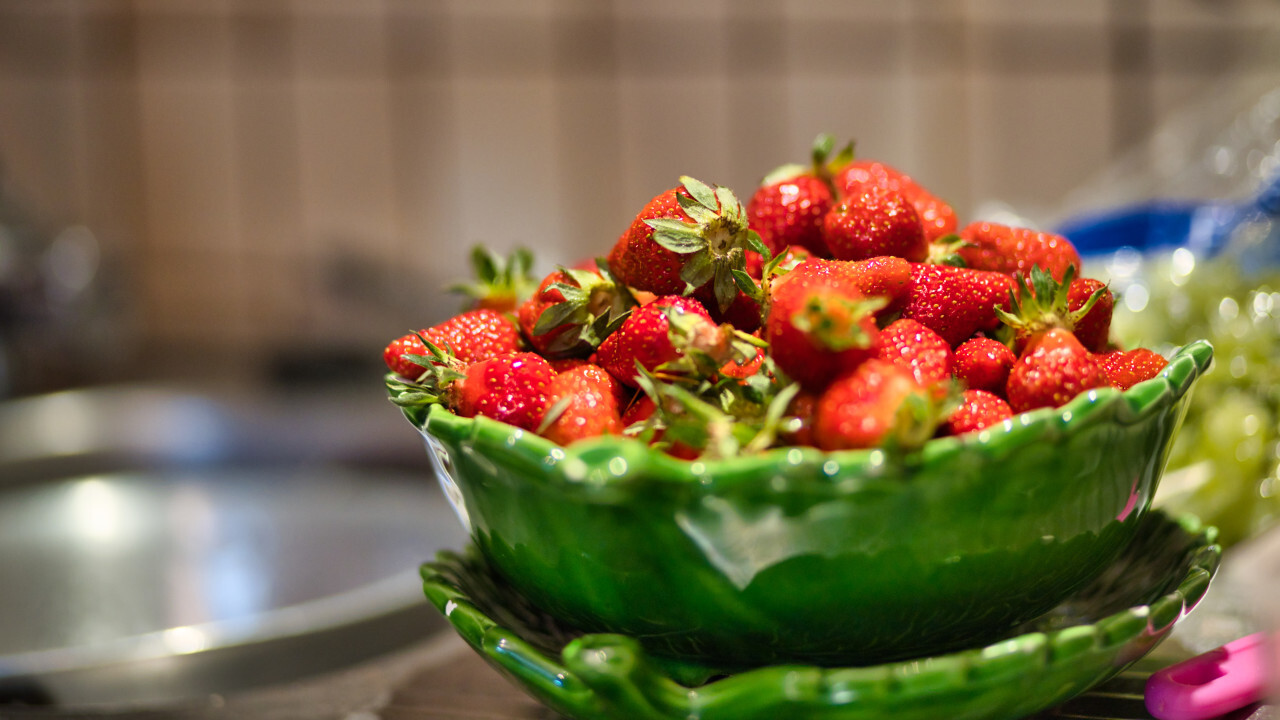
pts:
[595, 461]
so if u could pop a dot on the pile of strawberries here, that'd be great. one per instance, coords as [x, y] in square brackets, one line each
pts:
[841, 308]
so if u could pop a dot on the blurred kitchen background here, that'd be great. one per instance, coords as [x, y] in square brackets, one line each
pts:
[269, 190]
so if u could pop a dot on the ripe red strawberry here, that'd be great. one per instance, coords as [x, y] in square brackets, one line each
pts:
[982, 363]
[978, 409]
[863, 407]
[546, 297]
[743, 313]
[573, 310]
[586, 401]
[500, 283]
[801, 412]
[687, 237]
[1081, 305]
[820, 324]
[741, 369]
[1126, 368]
[788, 212]
[645, 337]
[956, 302]
[471, 336]
[886, 277]
[915, 347]
[788, 207]
[937, 217]
[873, 222]
[1053, 369]
[1093, 326]
[1011, 250]
[512, 388]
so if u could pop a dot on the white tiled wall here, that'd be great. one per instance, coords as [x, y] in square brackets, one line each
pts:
[290, 175]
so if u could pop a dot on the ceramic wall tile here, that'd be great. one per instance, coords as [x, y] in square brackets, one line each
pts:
[364, 145]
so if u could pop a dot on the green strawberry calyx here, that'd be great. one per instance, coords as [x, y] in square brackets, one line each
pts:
[705, 347]
[715, 242]
[918, 417]
[946, 251]
[824, 162]
[716, 422]
[1043, 304]
[834, 321]
[498, 280]
[595, 305]
[440, 369]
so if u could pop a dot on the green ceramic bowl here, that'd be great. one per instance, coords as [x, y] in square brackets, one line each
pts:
[796, 555]
[1113, 621]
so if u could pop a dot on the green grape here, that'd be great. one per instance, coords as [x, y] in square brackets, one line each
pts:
[1224, 463]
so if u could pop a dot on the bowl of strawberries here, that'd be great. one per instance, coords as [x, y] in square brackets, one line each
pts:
[828, 426]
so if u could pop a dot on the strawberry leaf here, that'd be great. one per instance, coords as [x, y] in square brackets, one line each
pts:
[726, 286]
[701, 192]
[701, 214]
[841, 159]
[747, 285]
[677, 236]
[557, 315]
[496, 278]
[835, 322]
[730, 208]
[698, 270]
[553, 413]
[822, 147]
[755, 242]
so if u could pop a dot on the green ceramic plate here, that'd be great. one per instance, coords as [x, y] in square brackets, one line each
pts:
[796, 555]
[1115, 620]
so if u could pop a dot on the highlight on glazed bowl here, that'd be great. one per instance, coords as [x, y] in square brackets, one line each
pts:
[799, 555]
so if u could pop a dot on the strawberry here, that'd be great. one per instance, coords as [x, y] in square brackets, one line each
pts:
[820, 324]
[800, 413]
[687, 237]
[743, 313]
[788, 207]
[1080, 305]
[915, 347]
[500, 284]
[937, 217]
[743, 369]
[982, 363]
[586, 401]
[471, 336]
[573, 310]
[1012, 250]
[978, 410]
[1052, 369]
[1092, 326]
[876, 221]
[512, 388]
[645, 337]
[1126, 368]
[886, 277]
[639, 410]
[956, 302]
[877, 403]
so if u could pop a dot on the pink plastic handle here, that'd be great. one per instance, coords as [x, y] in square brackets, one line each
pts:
[1228, 678]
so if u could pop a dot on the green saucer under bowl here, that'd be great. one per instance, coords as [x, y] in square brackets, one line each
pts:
[1098, 631]
[796, 555]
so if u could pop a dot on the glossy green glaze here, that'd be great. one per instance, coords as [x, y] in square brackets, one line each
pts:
[829, 558]
[1110, 623]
